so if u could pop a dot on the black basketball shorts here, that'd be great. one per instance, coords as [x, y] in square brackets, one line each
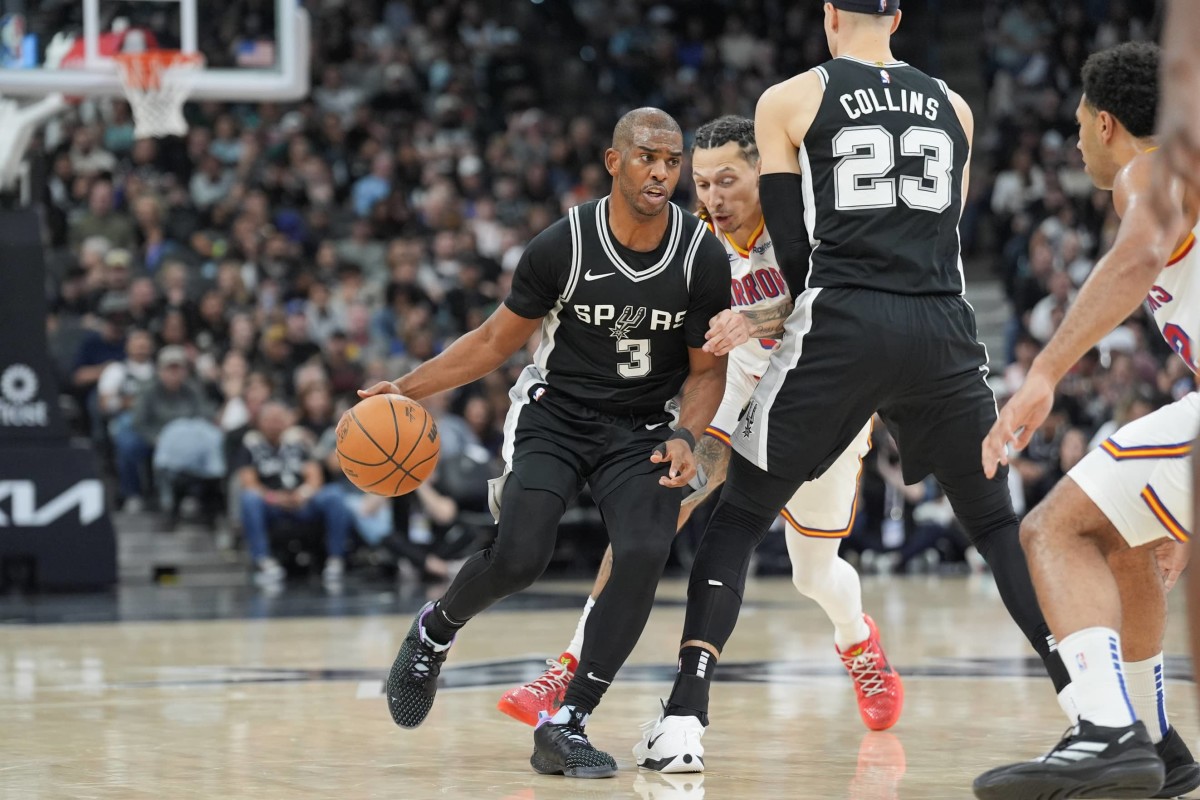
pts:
[554, 443]
[849, 353]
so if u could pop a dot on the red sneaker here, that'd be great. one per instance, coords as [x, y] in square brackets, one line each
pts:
[880, 692]
[544, 693]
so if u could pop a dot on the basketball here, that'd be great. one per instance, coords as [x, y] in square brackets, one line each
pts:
[388, 445]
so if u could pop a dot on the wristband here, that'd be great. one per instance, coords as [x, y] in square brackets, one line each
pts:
[682, 433]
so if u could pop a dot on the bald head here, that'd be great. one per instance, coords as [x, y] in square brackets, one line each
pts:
[642, 120]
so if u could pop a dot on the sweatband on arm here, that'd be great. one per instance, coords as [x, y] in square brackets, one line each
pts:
[782, 196]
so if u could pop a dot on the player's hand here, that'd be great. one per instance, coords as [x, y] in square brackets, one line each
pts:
[1172, 559]
[1022, 415]
[383, 387]
[682, 460]
[726, 331]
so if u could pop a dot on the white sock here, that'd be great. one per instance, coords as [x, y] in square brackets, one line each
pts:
[1144, 680]
[1093, 658]
[1066, 701]
[576, 645]
[818, 573]
[563, 715]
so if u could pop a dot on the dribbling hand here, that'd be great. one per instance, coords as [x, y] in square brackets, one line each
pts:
[1022, 415]
[1172, 558]
[683, 463]
[726, 331]
[383, 387]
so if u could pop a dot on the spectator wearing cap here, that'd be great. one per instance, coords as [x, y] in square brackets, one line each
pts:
[102, 219]
[169, 397]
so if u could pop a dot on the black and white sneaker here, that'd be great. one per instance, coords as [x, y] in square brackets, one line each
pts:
[1090, 761]
[412, 683]
[564, 749]
[1183, 773]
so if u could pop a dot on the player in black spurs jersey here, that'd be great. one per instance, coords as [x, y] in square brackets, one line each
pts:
[864, 171]
[622, 290]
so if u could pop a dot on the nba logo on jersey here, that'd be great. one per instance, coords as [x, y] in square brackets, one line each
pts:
[884, 76]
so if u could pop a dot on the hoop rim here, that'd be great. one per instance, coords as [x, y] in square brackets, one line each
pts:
[143, 70]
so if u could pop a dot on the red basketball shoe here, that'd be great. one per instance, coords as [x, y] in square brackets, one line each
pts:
[880, 692]
[544, 693]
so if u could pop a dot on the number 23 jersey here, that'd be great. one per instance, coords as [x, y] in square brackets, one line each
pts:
[882, 166]
[617, 323]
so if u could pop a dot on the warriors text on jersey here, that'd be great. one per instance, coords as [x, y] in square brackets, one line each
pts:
[882, 166]
[618, 323]
[756, 285]
[1175, 301]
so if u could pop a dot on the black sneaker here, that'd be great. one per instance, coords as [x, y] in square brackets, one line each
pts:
[565, 750]
[412, 683]
[1183, 773]
[1090, 761]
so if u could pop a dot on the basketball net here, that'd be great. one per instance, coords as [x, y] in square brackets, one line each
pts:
[157, 84]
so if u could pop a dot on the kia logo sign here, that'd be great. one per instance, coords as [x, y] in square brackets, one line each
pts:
[87, 496]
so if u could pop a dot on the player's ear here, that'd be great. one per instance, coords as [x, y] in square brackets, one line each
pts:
[612, 161]
[896, 21]
[1105, 126]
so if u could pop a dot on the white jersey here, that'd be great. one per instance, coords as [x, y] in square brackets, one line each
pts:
[1175, 301]
[757, 284]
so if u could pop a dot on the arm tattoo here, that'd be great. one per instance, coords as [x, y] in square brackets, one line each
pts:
[768, 324]
[713, 456]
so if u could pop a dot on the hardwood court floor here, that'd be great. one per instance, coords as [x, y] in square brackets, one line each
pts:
[291, 707]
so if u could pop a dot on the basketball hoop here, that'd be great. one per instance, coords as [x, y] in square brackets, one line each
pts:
[157, 84]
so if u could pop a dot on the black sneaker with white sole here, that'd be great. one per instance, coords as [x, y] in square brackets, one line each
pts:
[1183, 773]
[564, 749]
[1090, 761]
[412, 682]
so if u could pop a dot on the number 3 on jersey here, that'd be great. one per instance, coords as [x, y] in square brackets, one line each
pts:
[639, 358]
[869, 154]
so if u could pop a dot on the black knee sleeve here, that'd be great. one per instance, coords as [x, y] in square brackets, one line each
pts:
[522, 550]
[719, 573]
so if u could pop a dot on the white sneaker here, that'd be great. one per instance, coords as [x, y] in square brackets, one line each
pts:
[671, 744]
[335, 569]
[268, 572]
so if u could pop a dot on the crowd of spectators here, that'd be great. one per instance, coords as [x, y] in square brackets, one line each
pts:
[281, 256]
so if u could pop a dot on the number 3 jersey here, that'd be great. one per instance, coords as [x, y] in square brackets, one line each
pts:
[1175, 301]
[617, 322]
[883, 165]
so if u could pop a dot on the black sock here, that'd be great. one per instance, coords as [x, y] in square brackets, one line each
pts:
[439, 627]
[689, 695]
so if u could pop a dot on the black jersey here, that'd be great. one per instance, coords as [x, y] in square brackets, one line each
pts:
[883, 166]
[618, 323]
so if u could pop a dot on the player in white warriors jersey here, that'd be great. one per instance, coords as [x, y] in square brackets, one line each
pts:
[725, 169]
[1110, 539]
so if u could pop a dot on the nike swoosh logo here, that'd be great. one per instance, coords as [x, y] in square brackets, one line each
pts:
[650, 742]
[655, 426]
[588, 276]
[593, 677]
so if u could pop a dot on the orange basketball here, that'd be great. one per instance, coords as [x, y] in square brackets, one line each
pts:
[387, 445]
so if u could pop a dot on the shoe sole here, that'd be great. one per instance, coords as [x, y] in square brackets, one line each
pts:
[543, 766]
[1127, 780]
[684, 763]
[1180, 781]
[514, 711]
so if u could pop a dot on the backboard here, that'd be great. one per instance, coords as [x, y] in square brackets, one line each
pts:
[254, 50]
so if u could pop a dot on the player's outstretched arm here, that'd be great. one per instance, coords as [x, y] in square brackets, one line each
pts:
[472, 356]
[699, 400]
[1116, 287]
